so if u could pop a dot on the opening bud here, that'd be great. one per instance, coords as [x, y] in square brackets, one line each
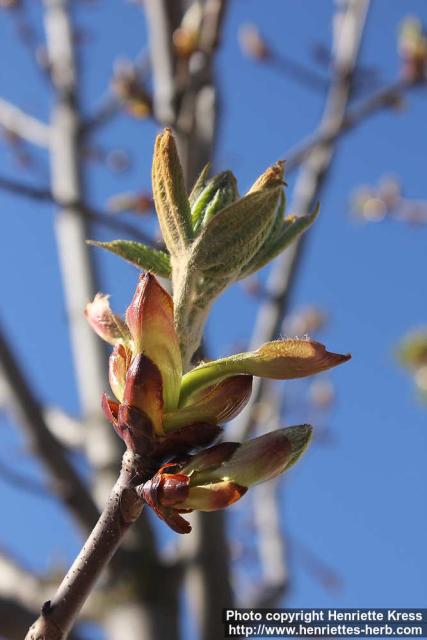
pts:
[109, 326]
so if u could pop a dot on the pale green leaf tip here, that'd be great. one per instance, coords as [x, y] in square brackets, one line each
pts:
[313, 215]
[300, 438]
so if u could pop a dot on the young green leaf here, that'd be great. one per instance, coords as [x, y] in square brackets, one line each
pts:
[234, 235]
[170, 197]
[200, 184]
[138, 254]
[291, 228]
[218, 193]
[279, 360]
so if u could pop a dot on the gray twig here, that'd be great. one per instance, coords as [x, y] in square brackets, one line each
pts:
[65, 481]
[23, 125]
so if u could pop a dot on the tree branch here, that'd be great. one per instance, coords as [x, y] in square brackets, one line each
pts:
[23, 483]
[87, 212]
[64, 479]
[72, 231]
[386, 97]
[122, 509]
[271, 545]
[23, 125]
[67, 429]
[163, 18]
[101, 444]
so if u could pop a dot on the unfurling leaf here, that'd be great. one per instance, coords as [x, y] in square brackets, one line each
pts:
[217, 194]
[118, 365]
[109, 326]
[236, 233]
[138, 254]
[170, 197]
[281, 360]
[280, 238]
[200, 184]
[216, 404]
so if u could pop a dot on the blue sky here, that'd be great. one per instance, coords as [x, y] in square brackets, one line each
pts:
[359, 504]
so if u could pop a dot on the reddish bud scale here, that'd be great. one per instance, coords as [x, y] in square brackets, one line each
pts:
[143, 389]
[192, 437]
[135, 429]
[175, 486]
[104, 322]
[172, 489]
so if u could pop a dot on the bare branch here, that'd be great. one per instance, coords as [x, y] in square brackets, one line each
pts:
[197, 116]
[87, 212]
[23, 125]
[80, 284]
[123, 508]
[64, 479]
[271, 545]
[256, 47]
[163, 18]
[23, 483]
[72, 231]
[27, 190]
[386, 97]
[67, 429]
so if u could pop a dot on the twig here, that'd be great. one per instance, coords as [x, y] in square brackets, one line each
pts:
[27, 35]
[386, 97]
[137, 617]
[163, 18]
[299, 72]
[23, 125]
[71, 228]
[197, 115]
[19, 481]
[123, 507]
[271, 546]
[65, 481]
[68, 430]
[89, 213]
[27, 190]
